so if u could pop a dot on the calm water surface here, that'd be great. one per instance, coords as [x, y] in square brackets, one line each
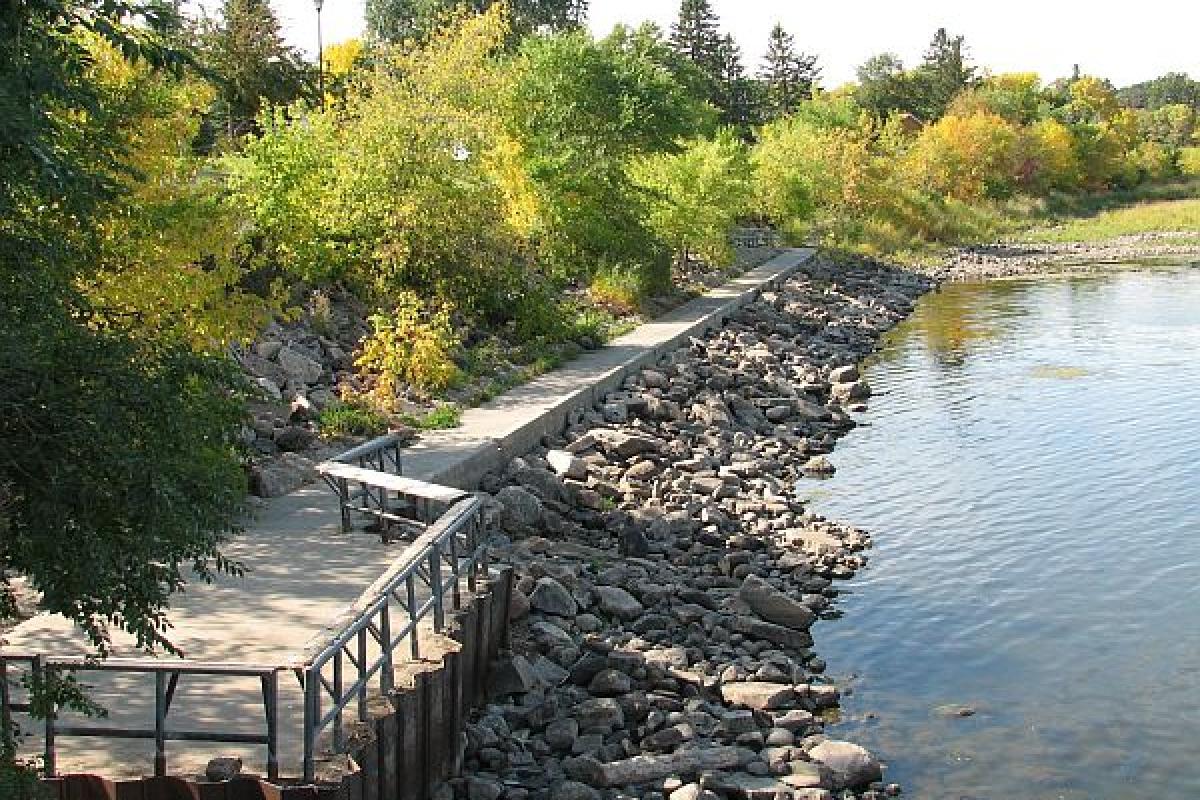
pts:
[1030, 469]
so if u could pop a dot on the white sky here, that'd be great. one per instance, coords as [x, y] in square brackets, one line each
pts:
[1126, 42]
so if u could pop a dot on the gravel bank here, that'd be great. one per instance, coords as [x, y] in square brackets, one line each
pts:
[1013, 259]
[668, 576]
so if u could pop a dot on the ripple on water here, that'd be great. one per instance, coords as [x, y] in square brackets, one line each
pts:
[1029, 472]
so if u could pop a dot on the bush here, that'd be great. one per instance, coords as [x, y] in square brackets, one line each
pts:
[351, 419]
[1189, 161]
[696, 195]
[413, 345]
[967, 158]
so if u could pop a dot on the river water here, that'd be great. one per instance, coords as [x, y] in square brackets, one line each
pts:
[1030, 471]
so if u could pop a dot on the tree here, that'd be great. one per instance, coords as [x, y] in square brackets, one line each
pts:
[788, 75]
[944, 73]
[253, 65]
[736, 94]
[885, 87]
[696, 195]
[694, 35]
[580, 111]
[396, 20]
[117, 456]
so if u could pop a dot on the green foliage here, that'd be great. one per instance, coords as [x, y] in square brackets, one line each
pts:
[126, 449]
[253, 67]
[115, 443]
[580, 111]
[789, 76]
[351, 419]
[697, 195]
[443, 416]
[1189, 161]
[395, 21]
[413, 345]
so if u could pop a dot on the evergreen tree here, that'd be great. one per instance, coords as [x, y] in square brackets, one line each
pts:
[396, 20]
[695, 37]
[245, 49]
[734, 96]
[944, 73]
[788, 76]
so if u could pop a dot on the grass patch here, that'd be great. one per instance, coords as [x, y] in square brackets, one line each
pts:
[351, 419]
[1169, 216]
[443, 417]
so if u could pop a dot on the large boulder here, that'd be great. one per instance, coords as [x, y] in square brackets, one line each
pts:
[617, 602]
[774, 606]
[282, 476]
[567, 465]
[853, 767]
[521, 508]
[299, 367]
[758, 695]
[551, 597]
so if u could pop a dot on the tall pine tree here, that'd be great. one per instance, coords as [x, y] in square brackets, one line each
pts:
[944, 73]
[695, 37]
[788, 76]
[245, 49]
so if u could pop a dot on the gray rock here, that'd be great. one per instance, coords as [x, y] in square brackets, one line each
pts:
[561, 734]
[774, 606]
[574, 790]
[610, 683]
[513, 675]
[298, 367]
[647, 768]
[544, 482]
[818, 465]
[618, 602]
[522, 510]
[601, 714]
[621, 444]
[551, 597]
[847, 374]
[567, 465]
[758, 695]
[760, 629]
[270, 389]
[282, 476]
[294, 439]
[225, 768]
[853, 767]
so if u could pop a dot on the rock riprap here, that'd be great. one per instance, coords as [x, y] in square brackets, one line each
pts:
[667, 575]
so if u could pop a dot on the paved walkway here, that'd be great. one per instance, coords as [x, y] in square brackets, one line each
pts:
[304, 571]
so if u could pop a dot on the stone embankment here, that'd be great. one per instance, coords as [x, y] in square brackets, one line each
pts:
[668, 575]
[1015, 259]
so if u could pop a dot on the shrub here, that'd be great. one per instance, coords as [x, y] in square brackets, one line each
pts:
[967, 158]
[696, 195]
[413, 345]
[1189, 161]
[351, 419]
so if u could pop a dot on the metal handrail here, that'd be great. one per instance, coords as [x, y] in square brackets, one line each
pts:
[450, 547]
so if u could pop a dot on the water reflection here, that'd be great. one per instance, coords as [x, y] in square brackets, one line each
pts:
[1030, 477]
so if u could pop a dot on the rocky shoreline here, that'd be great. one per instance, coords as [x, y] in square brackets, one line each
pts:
[1016, 259]
[668, 576]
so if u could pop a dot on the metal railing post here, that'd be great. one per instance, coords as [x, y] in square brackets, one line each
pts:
[270, 690]
[338, 692]
[386, 675]
[312, 709]
[6, 735]
[43, 674]
[435, 580]
[160, 724]
[362, 675]
[410, 588]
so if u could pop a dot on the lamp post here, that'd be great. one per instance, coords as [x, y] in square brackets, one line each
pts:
[320, 57]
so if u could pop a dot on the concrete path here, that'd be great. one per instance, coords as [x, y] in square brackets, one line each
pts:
[304, 571]
[517, 420]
